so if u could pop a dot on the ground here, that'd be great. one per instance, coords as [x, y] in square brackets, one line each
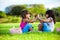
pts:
[5, 34]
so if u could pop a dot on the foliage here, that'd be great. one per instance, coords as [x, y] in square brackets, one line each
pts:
[2, 14]
[57, 19]
[37, 9]
[10, 19]
[57, 11]
[32, 8]
[16, 10]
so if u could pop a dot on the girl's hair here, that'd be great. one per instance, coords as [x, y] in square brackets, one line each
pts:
[51, 14]
[23, 13]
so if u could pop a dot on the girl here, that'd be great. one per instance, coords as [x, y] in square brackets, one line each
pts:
[48, 23]
[25, 26]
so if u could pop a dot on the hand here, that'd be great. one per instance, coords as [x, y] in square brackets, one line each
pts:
[34, 19]
[37, 17]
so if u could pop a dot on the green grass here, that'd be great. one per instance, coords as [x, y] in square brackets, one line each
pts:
[5, 34]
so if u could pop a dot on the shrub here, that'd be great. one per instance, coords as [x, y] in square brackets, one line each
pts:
[14, 19]
[58, 19]
[2, 14]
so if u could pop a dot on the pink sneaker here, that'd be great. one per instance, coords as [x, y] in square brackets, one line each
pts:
[15, 31]
[58, 29]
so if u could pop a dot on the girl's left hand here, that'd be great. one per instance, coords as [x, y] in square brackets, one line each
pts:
[37, 17]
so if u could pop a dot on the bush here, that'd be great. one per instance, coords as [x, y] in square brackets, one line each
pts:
[2, 14]
[13, 19]
[10, 19]
[58, 19]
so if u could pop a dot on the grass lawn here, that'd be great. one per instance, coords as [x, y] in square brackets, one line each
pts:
[5, 34]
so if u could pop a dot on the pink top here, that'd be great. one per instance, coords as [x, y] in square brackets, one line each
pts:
[22, 25]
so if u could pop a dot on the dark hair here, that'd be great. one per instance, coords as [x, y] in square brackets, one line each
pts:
[36, 15]
[23, 13]
[51, 14]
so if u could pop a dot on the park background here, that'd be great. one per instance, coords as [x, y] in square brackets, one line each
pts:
[10, 17]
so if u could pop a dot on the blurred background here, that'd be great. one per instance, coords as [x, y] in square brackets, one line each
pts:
[10, 9]
[10, 17]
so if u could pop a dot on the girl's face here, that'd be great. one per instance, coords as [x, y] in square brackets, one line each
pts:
[28, 16]
[47, 15]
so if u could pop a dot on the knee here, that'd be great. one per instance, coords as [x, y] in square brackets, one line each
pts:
[39, 25]
[44, 23]
[29, 24]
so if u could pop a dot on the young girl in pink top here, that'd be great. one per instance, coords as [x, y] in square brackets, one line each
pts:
[25, 22]
[25, 25]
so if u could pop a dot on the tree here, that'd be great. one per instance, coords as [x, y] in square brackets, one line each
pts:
[57, 11]
[16, 10]
[8, 9]
[37, 8]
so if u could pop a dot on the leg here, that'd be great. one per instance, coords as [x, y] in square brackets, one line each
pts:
[46, 27]
[40, 27]
[27, 28]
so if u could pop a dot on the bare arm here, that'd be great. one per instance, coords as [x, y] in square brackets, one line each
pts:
[43, 20]
[30, 21]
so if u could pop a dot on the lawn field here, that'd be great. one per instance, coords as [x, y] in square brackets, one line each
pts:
[5, 34]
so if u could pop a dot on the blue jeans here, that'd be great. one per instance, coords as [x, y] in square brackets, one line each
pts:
[26, 28]
[46, 27]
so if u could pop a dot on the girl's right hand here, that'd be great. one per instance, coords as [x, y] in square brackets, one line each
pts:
[37, 17]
